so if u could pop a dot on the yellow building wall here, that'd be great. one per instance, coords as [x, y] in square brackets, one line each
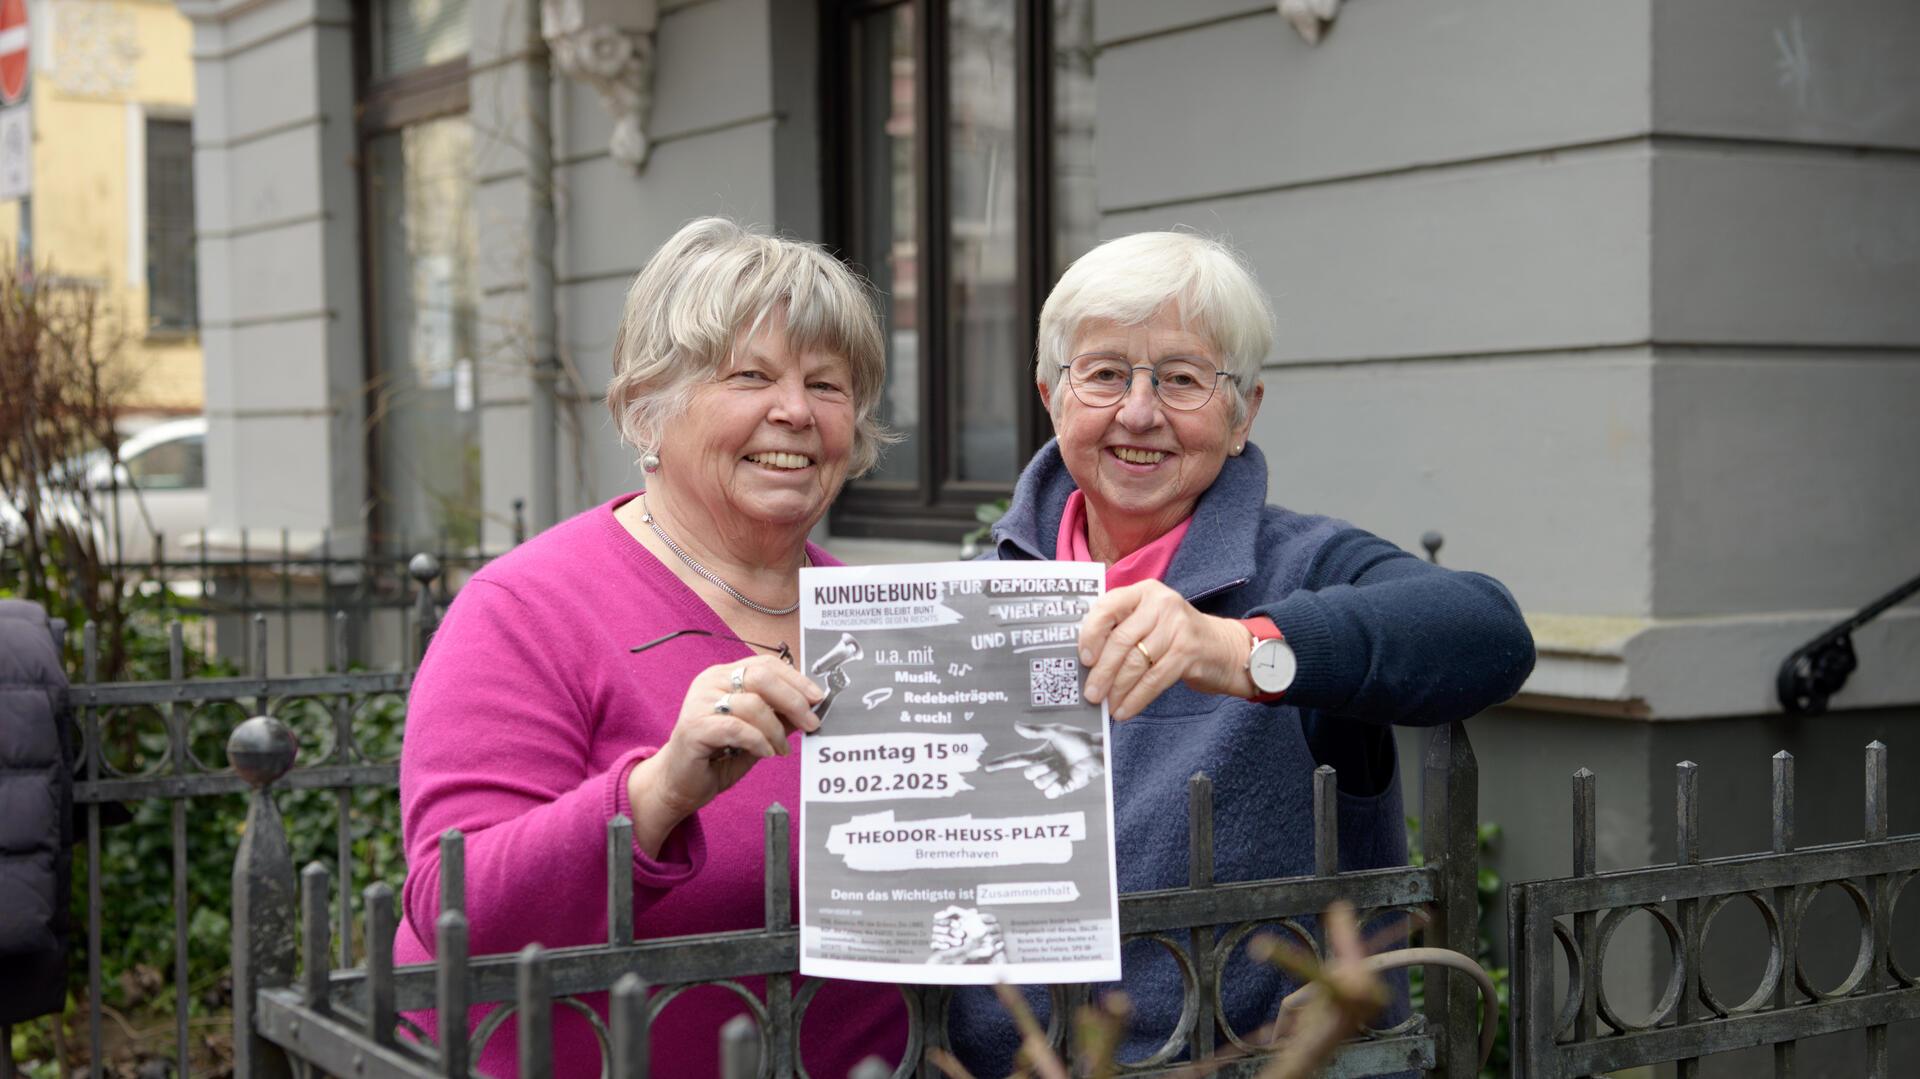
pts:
[100, 68]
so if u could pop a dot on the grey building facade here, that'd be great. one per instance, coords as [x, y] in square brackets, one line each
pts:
[1622, 297]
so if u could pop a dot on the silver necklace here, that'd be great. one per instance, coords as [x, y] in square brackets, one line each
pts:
[647, 516]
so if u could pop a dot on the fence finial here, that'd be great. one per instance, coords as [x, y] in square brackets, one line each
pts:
[450, 992]
[739, 1049]
[1326, 822]
[257, 650]
[1782, 802]
[1686, 813]
[1199, 830]
[535, 1012]
[453, 870]
[620, 880]
[1585, 829]
[261, 750]
[382, 921]
[424, 568]
[264, 894]
[315, 935]
[1876, 790]
[778, 887]
[628, 1017]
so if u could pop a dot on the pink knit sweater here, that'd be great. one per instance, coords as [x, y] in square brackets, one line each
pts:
[526, 718]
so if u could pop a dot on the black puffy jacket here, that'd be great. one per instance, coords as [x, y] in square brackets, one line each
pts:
[36, 815]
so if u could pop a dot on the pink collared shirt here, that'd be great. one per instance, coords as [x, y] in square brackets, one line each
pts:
[1149, 563]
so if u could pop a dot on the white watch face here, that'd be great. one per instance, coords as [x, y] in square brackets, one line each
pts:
[1271, 666]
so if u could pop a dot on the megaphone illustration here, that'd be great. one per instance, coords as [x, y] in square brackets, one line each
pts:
[829, 667]
[846, 651]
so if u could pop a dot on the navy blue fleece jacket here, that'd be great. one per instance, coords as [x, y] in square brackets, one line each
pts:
[1382, 637]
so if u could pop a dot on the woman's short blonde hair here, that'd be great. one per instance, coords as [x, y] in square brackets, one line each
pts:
[716, 281]
[1131, 279]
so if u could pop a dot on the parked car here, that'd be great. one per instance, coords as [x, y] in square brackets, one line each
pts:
[161, 486]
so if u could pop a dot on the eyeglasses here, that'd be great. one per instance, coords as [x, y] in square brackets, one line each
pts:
[781, 649]
[1181, 384]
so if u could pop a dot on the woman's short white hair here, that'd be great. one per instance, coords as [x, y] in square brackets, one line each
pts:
[715, 281]
[1129, 280]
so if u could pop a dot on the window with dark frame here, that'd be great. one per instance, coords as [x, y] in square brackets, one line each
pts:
[421, 296]
[960, 136]
[173, 295]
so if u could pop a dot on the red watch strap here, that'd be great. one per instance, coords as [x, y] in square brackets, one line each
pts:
[1263, 629]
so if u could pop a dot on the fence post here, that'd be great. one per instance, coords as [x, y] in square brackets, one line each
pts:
[264, 907]
[1450, 836]
[783, 1041]
[1786, 1054]
[1880, 901]
[423, 568]
[1200, 940]
[628, 1018]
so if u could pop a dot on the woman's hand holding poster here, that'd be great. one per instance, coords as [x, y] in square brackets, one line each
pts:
[956, 809]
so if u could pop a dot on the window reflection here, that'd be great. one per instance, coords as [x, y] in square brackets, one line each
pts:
[427, 471]
[1076, 216]
[888, 246]
[946, 175]
[409, 34]
[983, 170]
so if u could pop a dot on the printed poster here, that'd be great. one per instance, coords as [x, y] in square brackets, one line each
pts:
[956, 806]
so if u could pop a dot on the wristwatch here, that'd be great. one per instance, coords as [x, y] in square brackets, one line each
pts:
[1270, 663]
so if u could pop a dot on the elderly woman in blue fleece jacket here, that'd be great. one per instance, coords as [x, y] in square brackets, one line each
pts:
[1240, 639]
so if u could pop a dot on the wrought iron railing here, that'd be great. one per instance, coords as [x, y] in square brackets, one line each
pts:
[343, 1020]
[1578, 1030]
[301, 591]
[351, 1022]
[149, 740]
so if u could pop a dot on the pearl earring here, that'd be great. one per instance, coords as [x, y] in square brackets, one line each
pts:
[649, 462]
[1238, 448]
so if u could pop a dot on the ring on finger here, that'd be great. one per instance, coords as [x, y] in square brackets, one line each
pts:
[738, 680]
[724, 705]
[1144, 654]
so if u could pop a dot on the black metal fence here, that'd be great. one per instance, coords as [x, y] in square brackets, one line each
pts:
[312, 1019]
[1573, 1029]
[164, 740]
[297, 590]
[341, 1019]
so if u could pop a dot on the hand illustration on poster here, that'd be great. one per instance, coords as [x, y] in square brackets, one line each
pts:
[956, 814]
[965, 935]
[1066, 759]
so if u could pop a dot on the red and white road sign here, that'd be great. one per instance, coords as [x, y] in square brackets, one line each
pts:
[13, 50]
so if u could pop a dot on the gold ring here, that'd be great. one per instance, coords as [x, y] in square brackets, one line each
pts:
[1144, 654]
[739, 679]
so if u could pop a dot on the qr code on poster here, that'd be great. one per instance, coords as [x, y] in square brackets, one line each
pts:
[1054, 682]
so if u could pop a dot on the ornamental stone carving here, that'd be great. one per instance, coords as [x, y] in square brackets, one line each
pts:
[609, 45]
[1311, 18]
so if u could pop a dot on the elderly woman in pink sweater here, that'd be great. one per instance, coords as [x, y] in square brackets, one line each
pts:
[746, 373]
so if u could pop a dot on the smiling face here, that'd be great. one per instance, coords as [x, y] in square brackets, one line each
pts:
[766, 443]
[1140, 465]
